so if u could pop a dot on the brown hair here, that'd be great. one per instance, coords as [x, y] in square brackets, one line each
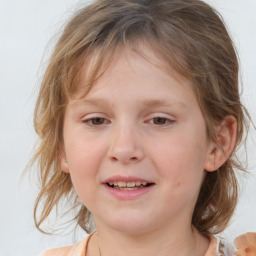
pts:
[192, 38]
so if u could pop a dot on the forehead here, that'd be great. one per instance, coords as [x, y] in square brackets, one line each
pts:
[101, 62]
[144, 75]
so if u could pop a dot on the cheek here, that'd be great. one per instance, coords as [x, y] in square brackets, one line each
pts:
[180, 159]
[83, 153]
[84, 163]
[184, 173]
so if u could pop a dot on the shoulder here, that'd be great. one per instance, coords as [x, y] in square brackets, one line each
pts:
[78, 249]
[63, 251]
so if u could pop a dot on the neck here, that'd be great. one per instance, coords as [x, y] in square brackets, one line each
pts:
[164, 243]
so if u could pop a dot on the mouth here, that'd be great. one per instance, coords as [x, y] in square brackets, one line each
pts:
[131, 185]
[128, 187]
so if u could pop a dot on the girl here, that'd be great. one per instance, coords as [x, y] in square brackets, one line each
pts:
[139, 118]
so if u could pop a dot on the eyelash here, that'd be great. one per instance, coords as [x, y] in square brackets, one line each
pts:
[166, 120]
[104, 121]
[90, 121]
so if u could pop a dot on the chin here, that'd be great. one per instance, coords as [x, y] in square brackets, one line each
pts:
[130, 224]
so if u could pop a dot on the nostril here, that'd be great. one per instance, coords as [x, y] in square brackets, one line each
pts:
[114, 158]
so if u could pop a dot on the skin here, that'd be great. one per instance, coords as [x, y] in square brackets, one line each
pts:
[246, 244]
[148, 125]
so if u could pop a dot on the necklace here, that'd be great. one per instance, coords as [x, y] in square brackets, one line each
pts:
[99, 249]
[98, 243]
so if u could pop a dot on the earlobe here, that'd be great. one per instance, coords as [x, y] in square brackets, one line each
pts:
[221, 150]
[63, 162]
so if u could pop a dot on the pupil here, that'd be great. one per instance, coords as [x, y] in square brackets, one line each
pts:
[97, 120]
[159, 120]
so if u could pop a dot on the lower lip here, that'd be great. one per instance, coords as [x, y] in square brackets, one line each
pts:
[128, 194]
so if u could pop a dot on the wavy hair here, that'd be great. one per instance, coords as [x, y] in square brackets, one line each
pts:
[192, 38]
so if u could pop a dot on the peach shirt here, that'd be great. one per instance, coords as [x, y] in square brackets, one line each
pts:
[79, 249]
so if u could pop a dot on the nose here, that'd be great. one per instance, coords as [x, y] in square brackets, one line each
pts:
[125, 146]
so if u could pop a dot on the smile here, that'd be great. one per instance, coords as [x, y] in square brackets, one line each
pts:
[131, 185]
[127, 188]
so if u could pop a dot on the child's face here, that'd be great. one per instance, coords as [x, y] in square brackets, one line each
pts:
[137, 124]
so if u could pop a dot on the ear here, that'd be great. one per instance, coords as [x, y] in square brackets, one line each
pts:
[221, 150]
[63, 162]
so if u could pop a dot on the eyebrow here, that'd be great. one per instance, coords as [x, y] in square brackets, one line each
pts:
[92, 101]
[146, 102]
[162, 102]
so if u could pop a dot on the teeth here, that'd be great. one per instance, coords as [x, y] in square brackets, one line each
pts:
[121, 184]
[130, 184]
[134, 188]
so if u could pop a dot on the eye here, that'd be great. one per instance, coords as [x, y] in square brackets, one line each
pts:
[96, 121]
[160, 121]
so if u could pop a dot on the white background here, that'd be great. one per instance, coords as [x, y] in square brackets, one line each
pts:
[26, 26]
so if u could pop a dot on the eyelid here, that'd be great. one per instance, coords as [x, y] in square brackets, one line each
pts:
[162, 115]
[168, 118]
[87, 120]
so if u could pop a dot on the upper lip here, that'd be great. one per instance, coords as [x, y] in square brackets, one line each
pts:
[125, 179]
